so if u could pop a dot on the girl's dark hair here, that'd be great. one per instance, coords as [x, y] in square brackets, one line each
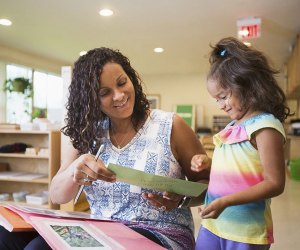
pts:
[84, 117]
[248, 74]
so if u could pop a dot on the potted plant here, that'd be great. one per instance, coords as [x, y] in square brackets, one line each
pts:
[39, 113]
[19, 84]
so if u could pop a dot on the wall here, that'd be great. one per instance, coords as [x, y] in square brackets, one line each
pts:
[173, 89]
[9, 55]
[183, 89]
[188, 89]
[2, 94]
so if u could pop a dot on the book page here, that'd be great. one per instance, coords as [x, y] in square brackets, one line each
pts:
[156, 182]
[60, 232]
[72, 234]
[88, 235]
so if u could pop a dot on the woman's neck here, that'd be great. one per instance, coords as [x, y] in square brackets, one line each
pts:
[121, 133]
[122, 126]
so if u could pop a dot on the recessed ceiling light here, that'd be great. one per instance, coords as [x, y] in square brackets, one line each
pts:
[158, 50]
[5, 22]
[81, 53]
[106, 12]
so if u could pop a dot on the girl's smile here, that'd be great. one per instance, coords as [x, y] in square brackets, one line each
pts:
[228, 101]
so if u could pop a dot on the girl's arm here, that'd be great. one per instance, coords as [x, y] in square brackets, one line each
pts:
[269, 144]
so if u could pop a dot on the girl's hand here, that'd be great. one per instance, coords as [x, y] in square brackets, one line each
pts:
[167, 202]
[214, 209]
[86, 170]
[200, 162]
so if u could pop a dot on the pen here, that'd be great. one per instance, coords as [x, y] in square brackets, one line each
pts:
[100, 150]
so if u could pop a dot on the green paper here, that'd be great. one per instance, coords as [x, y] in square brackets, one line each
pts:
[156, 182]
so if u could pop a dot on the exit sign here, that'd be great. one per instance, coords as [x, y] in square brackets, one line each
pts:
[249, 28]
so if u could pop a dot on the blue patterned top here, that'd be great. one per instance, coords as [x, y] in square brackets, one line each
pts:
[149, 151]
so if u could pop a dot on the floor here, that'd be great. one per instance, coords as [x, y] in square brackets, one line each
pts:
[286, 217]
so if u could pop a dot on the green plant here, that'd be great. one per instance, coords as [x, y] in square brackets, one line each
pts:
[39, 113]
[19, 84]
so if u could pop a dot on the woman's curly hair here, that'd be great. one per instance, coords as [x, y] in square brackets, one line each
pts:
[247, 72]
[84, 116]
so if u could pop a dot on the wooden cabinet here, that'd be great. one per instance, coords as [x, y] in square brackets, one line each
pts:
[208, 144]
[293, 68]
[293, 80]
[292, 147]
[81, 205]
[45, 164]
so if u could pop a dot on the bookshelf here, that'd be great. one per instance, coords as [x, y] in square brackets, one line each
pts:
[38, 169]
[220, 122]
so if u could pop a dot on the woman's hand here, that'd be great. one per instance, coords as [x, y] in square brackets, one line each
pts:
[200, 162]
[86, 170]
[167, 202]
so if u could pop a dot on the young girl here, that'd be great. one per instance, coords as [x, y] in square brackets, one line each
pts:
[248, 162]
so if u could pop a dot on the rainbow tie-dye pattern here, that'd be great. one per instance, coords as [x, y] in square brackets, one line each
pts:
[236, 166]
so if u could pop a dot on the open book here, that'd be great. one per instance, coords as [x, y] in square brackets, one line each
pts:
[84, 234]
[12, 221]
[54, 213]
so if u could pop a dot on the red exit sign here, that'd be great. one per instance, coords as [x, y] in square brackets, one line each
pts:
[249, 28]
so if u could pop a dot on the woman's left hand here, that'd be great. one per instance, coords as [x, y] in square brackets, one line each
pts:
[167, 202]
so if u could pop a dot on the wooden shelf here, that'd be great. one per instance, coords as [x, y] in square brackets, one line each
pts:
[23, 155]
[39, 180]
[293, 137]
[47, 165]
[30, 132]
[22, 204]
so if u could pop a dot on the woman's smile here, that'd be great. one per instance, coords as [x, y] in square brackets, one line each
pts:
[121, 104]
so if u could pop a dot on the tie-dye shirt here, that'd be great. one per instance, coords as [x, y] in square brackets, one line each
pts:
[236, 166]
[149, 151]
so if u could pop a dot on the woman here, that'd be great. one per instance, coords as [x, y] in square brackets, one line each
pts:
[107, 106]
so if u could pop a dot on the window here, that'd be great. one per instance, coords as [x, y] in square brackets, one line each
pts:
[46, 101]
[18, 107]
[48, 95]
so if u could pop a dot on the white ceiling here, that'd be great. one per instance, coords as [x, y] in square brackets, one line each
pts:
[60, 29]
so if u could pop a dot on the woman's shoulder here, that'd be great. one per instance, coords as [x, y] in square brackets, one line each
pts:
[159, 114]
